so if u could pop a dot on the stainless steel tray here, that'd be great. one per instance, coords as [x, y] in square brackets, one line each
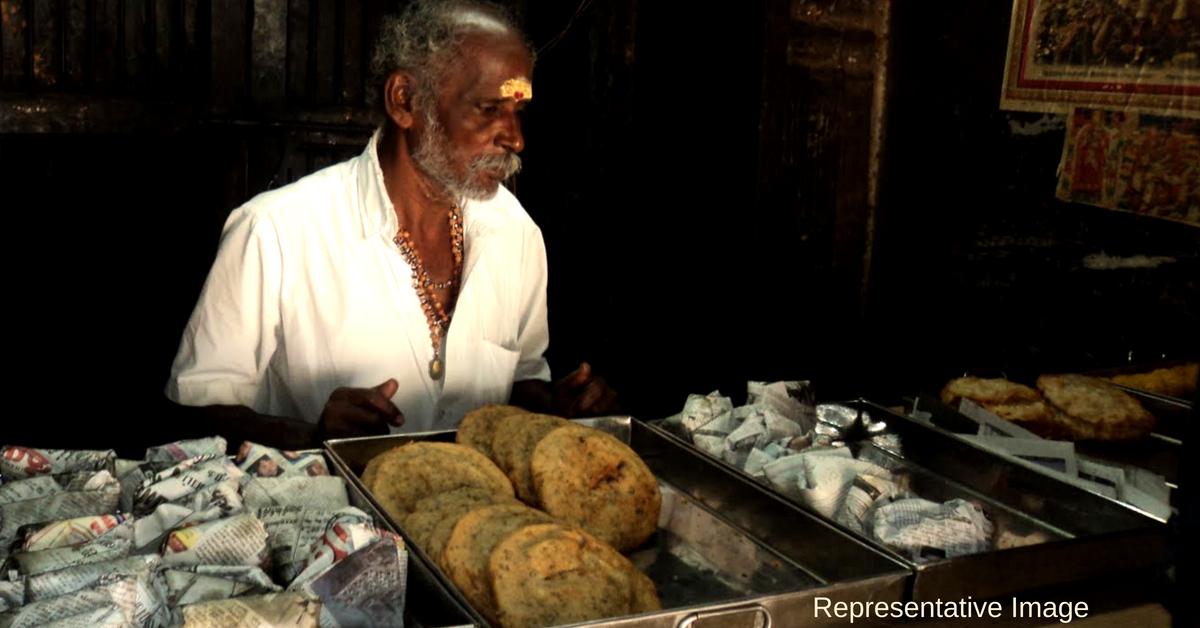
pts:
[427, 602]
[727, 552]
[1089, 535]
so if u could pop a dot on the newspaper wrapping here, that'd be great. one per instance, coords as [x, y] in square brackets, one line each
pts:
[289, 609]
[195, 491]
[173, 453]
[237, 540]
[131, 477]
[339, 541]
[141, 599]
[63, 581]
[179, 483]
[925, 530]
[17, 463]
[23, 490]
[116, 544]
[863, 493]
[12, 594]
[207, 583]
[365, 589]
[294, 529]
[98, 495]
[106, 617]
[828, 476]
[267, 462]
[68, 532]
[326, 492]
[700, 410]
[794, 400]
[759, 426]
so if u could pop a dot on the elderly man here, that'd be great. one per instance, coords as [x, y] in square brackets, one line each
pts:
[406, 286]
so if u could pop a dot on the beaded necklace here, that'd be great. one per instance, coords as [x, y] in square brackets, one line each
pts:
[435, 312]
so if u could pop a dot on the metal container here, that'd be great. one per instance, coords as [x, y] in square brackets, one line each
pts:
[1086, 534]
[427, 602]
[727, 552]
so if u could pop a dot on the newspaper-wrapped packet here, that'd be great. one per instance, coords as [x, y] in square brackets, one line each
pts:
[925, 530]
[865, 492]
[208, 583]
[194, 491]
[290, 609]
[267, 462]
[758, 426]
[237, 540]
[171, 454]
[97, 494]
[324, 492]
[68, 532]
[139, 599]
[12, 594]
[63, 581]
[294, 529]
[32, 488]
[341, 539]
[794, 400]
[822, 477]
[365, 589]
[17, 463]
[113, 544]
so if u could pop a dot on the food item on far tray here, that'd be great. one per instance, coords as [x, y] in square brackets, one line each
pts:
[478, 428]
[1009, 400]
[1093, 409]
[417, 470]
[1175, 381]
[589, 478]
[547, 575]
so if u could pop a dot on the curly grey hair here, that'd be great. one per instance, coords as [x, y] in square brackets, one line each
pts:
[424, 39]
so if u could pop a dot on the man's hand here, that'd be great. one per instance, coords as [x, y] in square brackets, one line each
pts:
[583, 394]
[360, 412]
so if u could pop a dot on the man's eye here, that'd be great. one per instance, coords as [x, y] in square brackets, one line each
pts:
[489, 109]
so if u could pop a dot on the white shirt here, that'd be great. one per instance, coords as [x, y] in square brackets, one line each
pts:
[309, 293]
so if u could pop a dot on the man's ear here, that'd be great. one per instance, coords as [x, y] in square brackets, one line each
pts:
[398, 97]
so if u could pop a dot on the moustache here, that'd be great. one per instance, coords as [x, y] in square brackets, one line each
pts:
[507, 164]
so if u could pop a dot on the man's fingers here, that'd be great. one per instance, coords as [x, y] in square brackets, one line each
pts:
[389, 388]
[578, 377]
[590, 396]
[349, 419]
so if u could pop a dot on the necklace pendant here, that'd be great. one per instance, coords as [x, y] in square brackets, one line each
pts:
[435, 368]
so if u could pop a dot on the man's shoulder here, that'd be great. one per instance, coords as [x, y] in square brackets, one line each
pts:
[313, 194]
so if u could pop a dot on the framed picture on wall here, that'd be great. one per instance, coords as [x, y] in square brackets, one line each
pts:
[1118, 54]
[1132, 161]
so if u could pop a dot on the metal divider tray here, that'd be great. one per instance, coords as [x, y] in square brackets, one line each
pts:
[1083, 535]
[727, 552]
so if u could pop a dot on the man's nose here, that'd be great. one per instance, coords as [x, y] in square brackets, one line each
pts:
[510, 137]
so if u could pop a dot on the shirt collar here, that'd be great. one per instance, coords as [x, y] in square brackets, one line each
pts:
[378, 213]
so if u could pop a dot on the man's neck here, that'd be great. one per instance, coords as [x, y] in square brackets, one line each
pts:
[420, 204]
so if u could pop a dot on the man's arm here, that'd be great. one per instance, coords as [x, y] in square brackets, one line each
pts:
[579, 394]
[349, 412]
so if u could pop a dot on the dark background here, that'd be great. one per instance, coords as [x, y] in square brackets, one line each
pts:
[775, 190]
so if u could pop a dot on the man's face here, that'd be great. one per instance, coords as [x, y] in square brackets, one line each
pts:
[470, 138]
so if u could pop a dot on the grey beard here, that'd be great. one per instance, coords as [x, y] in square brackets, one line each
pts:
[432, 156]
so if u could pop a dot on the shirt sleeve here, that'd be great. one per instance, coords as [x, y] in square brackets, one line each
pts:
[533, 335]
[232, 333]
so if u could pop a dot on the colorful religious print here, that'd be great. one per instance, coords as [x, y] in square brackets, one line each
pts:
[1118, 54]
[1137, 162]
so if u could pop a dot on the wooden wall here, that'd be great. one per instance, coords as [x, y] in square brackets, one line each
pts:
[776, 190]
